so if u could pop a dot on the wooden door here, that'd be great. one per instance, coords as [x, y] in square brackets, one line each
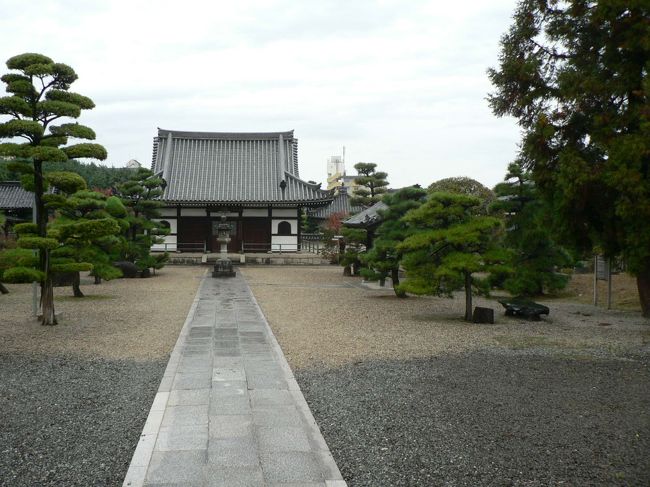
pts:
[256, 234]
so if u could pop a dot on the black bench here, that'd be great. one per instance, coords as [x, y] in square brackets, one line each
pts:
[524, 307]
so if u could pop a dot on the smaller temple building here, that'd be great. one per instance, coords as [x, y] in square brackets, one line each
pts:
[250, 178]
[16, 203]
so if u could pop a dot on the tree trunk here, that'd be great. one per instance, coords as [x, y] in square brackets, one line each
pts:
[47, 303]
[98, 280]
[3, 289]
[394, 276]
[76, 282]
[468, 296]
[347, 271]
[643, 285]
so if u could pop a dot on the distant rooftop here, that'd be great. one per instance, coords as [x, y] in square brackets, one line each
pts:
[14, 197]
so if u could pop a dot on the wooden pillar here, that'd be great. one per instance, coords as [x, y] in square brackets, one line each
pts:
[299, 230]
[208, 240]
[270, 227]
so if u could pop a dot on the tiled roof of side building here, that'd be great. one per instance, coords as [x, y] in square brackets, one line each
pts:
[368, 217]
[239, 168]
[340, 204]
[14, 197]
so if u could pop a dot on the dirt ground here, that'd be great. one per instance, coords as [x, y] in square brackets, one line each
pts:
[321, 317]
[119, 319]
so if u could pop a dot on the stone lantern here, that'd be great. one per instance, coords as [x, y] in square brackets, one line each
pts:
[223, 267]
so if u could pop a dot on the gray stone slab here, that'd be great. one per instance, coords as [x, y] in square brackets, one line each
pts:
[185, 415]
[189, 397]
[225, 362]
[267, 382]
[281, 439]
[199, 331]
[278, 416]
[233, 452]
[286, 467]
[228, 374]
[181, 467]
[227, 353]
[192, 381]
[228, 405]
[234, 476]
[229, 388]
[231, 426]
[270, 398]
[298, 484]
[189, 437]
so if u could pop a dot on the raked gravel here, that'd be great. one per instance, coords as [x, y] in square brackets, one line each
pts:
[74, 397]
[408, 394]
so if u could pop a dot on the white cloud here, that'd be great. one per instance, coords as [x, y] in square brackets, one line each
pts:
[402, 84]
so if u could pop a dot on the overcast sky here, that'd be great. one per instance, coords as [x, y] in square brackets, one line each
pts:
[398, 83]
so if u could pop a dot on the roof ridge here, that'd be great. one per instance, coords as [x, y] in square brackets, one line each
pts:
[225, 135]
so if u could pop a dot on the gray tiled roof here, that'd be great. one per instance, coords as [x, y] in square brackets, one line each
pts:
[340, 204]
[368, 217]
[14, 197]
[239, 168]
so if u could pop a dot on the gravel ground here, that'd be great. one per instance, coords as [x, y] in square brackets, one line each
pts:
[74, 397]
[407, 394]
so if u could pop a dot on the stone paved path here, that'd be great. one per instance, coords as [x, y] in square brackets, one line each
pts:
[228, 411]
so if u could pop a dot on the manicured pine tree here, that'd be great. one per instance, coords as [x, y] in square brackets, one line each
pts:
[383, 259]
[39, 96]
[535, 256]
[449, 245]
[371, 185]
[95, 229]
[140, 194]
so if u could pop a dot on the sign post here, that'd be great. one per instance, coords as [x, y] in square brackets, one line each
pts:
[603, 272]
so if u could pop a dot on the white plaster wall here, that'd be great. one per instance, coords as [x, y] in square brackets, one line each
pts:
[168, 212]
[169, 245]
[228, 213]
[275, 223]
[192, 211]
[173, 224]
[255, 212]
[284, 243]
[290, 212]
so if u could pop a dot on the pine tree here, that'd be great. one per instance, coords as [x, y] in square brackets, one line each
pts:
[68, 240]
[371, 185]
[449, 245]
[534, 254]
[140, 196]
[39, 97]
[95, 230]
[575, 75]
[384, 258]
[467, 186]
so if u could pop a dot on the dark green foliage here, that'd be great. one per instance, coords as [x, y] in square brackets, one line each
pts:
[575, 75]
[467, 186]
[449, 244]
[372, 185]
[354, 239]
[535, 258]
[39, 98]
[309, 224]
[140, 194]
[383, 259]
[96, 175]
